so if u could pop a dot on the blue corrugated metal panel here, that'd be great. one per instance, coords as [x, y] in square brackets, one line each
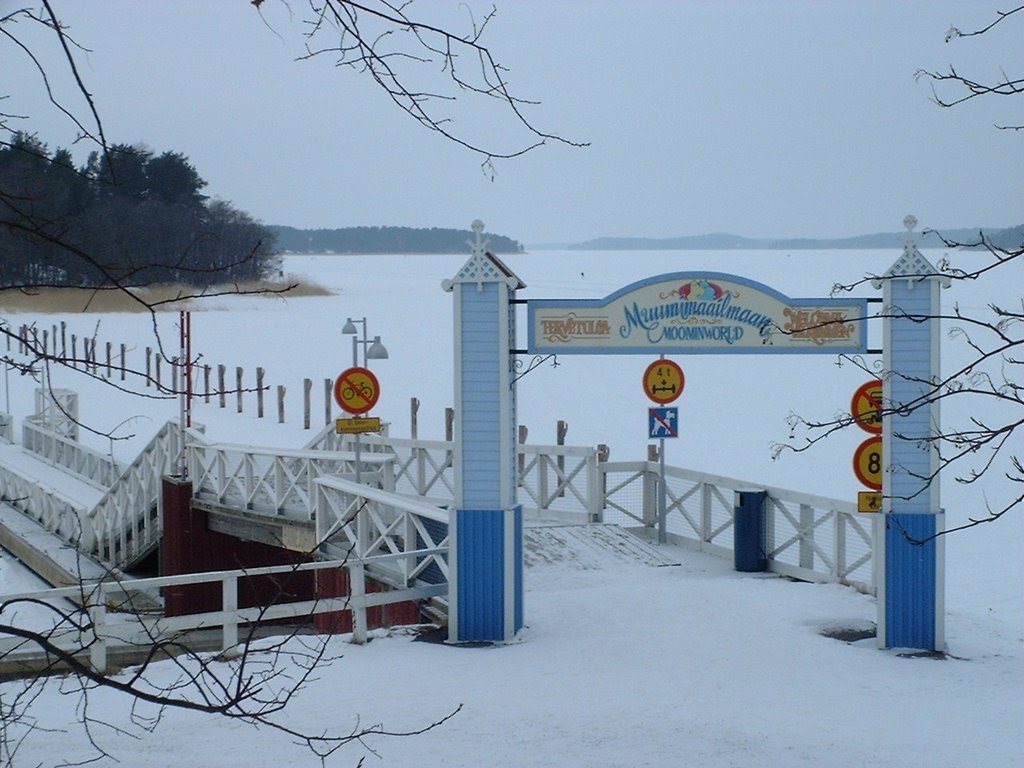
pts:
[518, 539]
[481, 583]
[910, 581]
[437, 530]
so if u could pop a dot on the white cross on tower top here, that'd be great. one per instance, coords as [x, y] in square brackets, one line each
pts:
[483, 266]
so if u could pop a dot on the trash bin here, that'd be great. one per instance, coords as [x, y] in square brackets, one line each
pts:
[748, 529]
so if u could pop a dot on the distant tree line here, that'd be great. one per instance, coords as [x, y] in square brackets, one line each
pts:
[127, 216]
[998, 238]
[385, 240]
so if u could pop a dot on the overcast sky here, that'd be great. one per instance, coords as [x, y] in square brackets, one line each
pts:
[759, 118]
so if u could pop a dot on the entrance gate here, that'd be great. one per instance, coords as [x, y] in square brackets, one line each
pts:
[686, 313]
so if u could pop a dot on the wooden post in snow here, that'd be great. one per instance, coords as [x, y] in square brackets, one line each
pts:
[521, 457]
[328, 399]
[560, 430]
[307, 389]
[259, 393]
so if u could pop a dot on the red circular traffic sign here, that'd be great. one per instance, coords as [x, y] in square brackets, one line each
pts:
[866, 407]
[867, 463]
[663, 381]
[356, 390]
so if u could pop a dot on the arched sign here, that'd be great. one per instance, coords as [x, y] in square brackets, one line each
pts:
[696, 313]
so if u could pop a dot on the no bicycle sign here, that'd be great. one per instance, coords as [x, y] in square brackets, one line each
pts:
[356, 390]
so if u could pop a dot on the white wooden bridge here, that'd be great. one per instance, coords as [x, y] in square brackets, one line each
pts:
[391, 526]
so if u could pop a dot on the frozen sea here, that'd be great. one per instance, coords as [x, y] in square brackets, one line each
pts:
[622, 665]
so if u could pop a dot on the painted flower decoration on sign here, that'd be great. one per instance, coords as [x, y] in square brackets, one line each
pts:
[701, 290]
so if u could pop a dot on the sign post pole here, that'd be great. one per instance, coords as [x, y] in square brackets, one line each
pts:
[357, 390]
[662, 495]
[663, 383]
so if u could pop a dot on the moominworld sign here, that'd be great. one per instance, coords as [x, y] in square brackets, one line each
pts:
[696, 313]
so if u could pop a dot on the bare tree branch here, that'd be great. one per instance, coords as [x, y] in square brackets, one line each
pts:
[967, 88]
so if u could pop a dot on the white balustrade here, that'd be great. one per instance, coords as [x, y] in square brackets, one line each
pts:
[91, 466]
[809, 537]
[275, 481]
[105, 630]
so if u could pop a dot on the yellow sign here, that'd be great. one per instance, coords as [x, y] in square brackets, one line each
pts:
[867, 463]
[866, 406]
[869, 501]
[663, 381]
[354, 426]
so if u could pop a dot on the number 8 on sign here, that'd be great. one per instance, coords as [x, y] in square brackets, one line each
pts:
[867, 463]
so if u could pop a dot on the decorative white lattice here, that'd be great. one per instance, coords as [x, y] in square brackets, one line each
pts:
[482, 267]
[912, 264]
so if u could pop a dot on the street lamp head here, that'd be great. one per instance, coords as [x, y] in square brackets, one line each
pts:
[376, 350]
[349, 327]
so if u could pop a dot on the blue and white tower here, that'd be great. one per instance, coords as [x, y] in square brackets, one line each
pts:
[911, 604]
[485, 555]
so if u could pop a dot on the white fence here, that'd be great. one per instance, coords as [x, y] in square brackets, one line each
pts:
[93, 467]
[808, 537]
[124, 524]
[368, 522]
[554, 480]
[127, 519]
[102, 629]
[276, 481]
[53, 510]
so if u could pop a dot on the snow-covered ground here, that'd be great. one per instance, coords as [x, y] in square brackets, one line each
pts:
[623, 665]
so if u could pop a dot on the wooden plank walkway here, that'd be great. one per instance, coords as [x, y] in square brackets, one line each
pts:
[591, 547]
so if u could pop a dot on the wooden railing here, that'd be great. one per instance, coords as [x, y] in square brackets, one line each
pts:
[88, 465]
[101, 629]
[808, 537]
[276, 481]
[554, 480]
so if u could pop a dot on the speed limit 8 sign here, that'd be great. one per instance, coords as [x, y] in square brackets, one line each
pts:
[867, 463]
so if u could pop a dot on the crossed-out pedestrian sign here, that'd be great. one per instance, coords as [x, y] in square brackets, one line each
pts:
[662, 422]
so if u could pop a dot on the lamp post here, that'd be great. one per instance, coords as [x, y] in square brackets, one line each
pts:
[372, 350]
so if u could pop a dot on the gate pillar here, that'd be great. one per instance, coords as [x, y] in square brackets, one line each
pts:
[911, 604]
[485, 552]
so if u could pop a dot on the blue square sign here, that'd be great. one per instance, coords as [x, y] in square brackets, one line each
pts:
[662, 422]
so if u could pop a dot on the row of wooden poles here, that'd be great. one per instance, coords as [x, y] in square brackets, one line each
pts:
[56, 343]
